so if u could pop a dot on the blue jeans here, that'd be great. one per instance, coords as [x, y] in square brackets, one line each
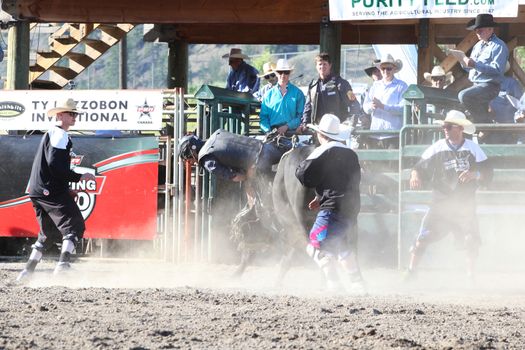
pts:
[477, 98]
[269, 156]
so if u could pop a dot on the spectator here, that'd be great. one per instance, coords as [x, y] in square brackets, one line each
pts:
[485, 67]
[270, 77]
[283, 105]
[375, 74]
[438, 78]
[501, 108]
[328, 94]
[454, 166]
[384, 101]
[242, 76]
[519, 117]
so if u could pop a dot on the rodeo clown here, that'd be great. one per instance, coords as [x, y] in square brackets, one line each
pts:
[333, 170]
[49, 191]
[454, 166]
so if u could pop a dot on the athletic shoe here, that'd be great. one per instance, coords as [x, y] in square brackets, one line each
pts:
[62, 268]
[24, 276]
[358, 288]
[409, 276]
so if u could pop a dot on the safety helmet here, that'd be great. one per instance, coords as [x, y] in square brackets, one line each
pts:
[189, 147]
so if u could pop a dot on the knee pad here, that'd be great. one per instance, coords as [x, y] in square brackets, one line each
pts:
[68, 246]
[320, 258]
[38, 246]
[70, 237]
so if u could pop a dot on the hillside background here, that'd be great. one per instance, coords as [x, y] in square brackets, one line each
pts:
[147, 62]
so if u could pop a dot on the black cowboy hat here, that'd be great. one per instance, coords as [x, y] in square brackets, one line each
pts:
[483, 20]
[371, 69]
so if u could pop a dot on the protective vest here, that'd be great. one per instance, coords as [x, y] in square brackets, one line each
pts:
[331, 100]
[232, 150]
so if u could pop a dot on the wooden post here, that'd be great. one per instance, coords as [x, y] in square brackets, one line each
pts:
[178, 65]
[123, 67]
[425, 56]
[330, 42]
[18, 57]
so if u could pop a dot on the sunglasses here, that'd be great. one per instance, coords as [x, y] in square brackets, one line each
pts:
[269, 76]
[449, 126]
[437, 78]
[284, 72]
[388, 69]
[73, 114]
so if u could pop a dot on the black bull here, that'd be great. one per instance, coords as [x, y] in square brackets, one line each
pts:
[289, 219]
[285, 224]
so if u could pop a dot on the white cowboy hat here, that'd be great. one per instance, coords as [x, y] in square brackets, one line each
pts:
[331, 127]
[283, 65]
[235, 53]
[398, 64]
[458, 118]
[268, 68]
[68, 105]
[438, 71]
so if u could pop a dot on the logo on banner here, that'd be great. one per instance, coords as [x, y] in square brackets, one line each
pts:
[86, 190]
[9, 109]
[145, 111]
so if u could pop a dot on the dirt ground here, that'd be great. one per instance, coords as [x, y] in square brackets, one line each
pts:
[119, 304]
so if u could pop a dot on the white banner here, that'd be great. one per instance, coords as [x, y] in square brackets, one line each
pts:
[100, 109]
[353, 10]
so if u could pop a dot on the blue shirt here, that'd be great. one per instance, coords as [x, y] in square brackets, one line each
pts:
[491, 58]
[243, 79]
[391, 95]
[277, 110]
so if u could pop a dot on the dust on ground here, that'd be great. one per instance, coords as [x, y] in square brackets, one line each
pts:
[130, 304]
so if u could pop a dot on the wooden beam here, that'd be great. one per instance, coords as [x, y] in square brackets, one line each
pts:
[306, 34]
[424, 57]
[465, 45]
[438, 53]
[172, 11]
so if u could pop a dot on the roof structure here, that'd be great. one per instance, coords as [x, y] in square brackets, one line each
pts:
[267, 22]
[240, 21]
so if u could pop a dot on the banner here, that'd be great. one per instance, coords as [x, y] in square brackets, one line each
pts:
[120, 204]
[100, 109]
[353, 10]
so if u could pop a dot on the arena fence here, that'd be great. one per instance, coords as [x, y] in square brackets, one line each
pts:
[196, 228]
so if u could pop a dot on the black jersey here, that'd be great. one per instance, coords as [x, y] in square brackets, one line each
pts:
[51, 171]
[333, 170]
[442, 163]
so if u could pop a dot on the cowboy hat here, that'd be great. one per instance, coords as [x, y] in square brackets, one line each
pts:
[283, 65]
[371, 69]
[268, 68]
[235, 53]
[68, 105]
[483, 20]
[388, 59]
[458, 118]
[331, 127]
[438, 71]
